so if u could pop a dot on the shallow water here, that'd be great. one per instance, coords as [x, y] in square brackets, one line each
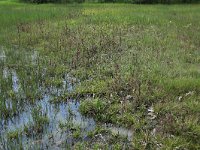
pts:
[57, 113]
[2, 54]
[53, 136]
[121, 131]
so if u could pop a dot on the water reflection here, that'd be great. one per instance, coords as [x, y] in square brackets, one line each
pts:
[53, 136]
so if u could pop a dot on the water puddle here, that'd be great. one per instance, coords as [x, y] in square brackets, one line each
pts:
[15, 81]
[64, 119]
[5, 73]
[121, 131]
[2, 54]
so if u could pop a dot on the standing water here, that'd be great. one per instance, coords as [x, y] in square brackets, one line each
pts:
[56, 128]
[53, 135]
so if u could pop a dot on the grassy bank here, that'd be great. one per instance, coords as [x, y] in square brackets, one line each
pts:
[138, 65]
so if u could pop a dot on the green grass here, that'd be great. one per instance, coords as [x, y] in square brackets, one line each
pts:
[128, 58]
[13, 13]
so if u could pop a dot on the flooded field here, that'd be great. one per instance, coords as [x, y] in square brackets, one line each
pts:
[87, 76]
[43, 124]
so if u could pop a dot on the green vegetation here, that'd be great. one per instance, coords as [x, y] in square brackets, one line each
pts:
[114, 1]
[101, 138]
[138, 67]
[13, 134]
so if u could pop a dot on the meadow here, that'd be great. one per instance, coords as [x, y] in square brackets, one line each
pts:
[99, 76]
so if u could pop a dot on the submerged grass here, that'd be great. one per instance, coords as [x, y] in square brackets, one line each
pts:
[138, 69]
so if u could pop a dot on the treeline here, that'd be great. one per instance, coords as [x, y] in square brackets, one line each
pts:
[152, 1]
[53, 1]
[118, 1]
[164, 1]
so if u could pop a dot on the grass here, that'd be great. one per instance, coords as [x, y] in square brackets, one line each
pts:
[15, 13]
[102, 138]
[146, 57]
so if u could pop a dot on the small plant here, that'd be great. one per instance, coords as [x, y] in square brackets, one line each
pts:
[92, 106]
[40, 119]
[13, 135]
[77, 133]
